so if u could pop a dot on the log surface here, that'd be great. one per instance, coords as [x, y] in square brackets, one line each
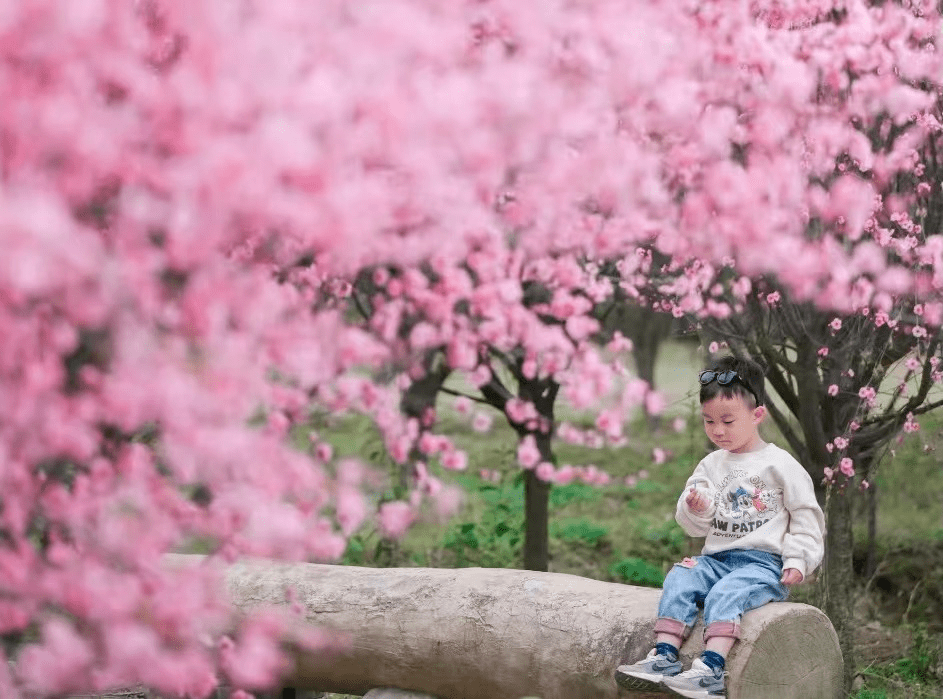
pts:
[477, 633]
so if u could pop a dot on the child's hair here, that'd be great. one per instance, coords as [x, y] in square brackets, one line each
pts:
[748, 383]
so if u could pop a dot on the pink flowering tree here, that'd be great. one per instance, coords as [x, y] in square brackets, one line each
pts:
[844, 389]
[853, 369]
[512, 334]
[188, 190]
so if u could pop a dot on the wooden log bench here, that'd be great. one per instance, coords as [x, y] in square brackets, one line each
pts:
[482, 633]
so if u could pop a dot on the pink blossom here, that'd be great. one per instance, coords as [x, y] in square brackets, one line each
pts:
[833, 390]
[448, 501]
[60, 664]
[251, 660]
[659, 455]
[610, 423]
[427, 484]
[933, 313]
[399, 448]
[580, 327]
[545, 471]
[520, 411]
[655, 403]
[846, 466]
[741, 287]
[480, 376]
[835, 325]
[619, 343]
[594, 440]
[823, 351]
[482, 422]
[565, 475]
[529, 368]
[430, 443]
[324, 451]
[462, 353]
[351, 509]
[454, 460]
[394, 519]
[911, 425]
[528, 455]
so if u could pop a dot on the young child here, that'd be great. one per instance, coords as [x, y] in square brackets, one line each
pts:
[764, 530]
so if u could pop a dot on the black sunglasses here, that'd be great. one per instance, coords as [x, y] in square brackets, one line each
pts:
[725, 378]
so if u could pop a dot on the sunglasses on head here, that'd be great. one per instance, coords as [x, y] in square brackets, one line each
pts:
[725, 378]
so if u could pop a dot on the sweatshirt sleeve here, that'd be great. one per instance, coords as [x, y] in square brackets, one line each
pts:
[692, 523]
[804, 543]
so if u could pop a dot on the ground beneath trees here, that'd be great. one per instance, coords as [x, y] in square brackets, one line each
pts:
[877, 644]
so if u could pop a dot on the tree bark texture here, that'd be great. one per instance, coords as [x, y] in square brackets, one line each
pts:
[838, 583]
[537, 522]
[537, 512]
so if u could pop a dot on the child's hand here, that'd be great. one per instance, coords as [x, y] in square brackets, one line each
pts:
[697, 501]
[791, 576]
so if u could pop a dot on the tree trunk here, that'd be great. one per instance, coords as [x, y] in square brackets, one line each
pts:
[838, 575]
[871, 561]
[537, 512]
[647, 329]
[416, 402]
[536, 522]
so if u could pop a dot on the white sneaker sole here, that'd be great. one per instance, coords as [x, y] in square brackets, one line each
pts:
[640, 680]
[693, 693]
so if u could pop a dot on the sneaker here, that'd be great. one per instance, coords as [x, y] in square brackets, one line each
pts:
[647, 674]
[699, 682]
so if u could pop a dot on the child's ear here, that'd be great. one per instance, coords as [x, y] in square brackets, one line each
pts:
[759, 413]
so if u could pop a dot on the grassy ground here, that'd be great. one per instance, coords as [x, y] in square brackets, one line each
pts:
[627, 533]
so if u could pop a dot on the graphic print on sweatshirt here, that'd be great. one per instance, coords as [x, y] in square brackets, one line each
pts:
[744, 504]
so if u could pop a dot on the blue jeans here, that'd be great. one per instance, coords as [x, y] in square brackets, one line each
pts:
[727, 584]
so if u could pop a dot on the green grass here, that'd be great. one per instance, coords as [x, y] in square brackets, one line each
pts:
[916, 676]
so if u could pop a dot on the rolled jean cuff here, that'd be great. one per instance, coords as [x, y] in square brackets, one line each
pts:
[672, 626]
[726, 629]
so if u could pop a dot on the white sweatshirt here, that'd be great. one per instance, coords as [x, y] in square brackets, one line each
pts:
[761, 500]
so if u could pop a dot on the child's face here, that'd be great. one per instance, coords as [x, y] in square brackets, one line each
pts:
[731, 424]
